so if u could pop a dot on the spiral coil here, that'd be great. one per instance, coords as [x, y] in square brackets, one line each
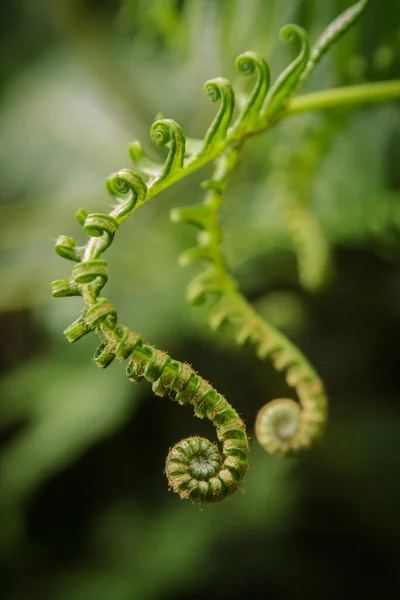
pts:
[194, 467]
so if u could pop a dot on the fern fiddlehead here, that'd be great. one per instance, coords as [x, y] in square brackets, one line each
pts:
[195, 468]
[283, 426]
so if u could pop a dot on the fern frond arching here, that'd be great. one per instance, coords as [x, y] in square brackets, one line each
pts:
[195, 468]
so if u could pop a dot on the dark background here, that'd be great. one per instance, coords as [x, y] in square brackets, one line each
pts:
[85, 509]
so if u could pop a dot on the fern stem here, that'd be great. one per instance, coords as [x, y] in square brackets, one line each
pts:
[352, 95]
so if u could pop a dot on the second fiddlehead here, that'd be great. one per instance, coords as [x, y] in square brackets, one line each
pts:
[283, 426]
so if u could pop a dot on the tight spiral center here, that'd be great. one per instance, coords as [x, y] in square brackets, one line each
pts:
[205, 462]
[121, 186]
[286, 426]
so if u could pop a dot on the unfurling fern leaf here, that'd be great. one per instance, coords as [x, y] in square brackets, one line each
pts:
[195, 468]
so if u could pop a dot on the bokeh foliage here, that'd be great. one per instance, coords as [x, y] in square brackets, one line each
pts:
[84, 513]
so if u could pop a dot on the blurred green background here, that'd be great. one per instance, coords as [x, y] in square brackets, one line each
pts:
[85, 509]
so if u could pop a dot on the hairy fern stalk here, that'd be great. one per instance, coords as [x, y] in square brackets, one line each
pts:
[196, 469]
